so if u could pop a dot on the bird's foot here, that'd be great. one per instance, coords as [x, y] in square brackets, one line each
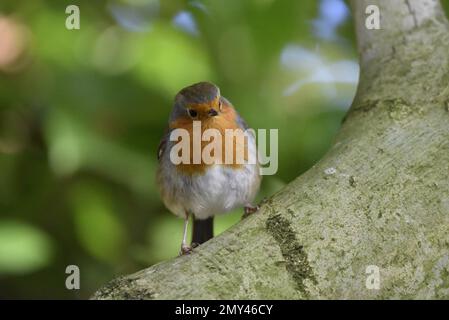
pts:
[185, 249]
[248, 210]
[194, 245]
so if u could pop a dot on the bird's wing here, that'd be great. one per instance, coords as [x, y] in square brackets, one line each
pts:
[163, 144]
[241, 122]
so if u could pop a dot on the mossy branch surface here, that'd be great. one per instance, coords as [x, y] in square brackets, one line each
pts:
[380, 196]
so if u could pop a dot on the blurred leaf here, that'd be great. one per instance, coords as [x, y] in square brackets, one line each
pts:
[98, 228]
[223, 222]
[169, 59]
[23, 248]
[73, 145]
[164, 237]
[65, 141]
[271, 185]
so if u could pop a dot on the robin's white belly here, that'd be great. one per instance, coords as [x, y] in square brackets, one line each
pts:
[218, 190]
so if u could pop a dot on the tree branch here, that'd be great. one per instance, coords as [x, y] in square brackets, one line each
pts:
[379, 197]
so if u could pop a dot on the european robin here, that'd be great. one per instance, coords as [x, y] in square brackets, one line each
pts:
[203, 189]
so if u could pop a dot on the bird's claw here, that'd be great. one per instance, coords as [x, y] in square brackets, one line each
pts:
[248, 210]
[185, 249]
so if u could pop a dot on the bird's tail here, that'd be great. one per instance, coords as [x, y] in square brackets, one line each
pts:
[203, 230]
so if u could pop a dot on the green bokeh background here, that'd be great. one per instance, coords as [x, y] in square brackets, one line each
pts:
[82, 112]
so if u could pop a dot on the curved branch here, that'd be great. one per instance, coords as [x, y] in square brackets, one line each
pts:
[379, 197]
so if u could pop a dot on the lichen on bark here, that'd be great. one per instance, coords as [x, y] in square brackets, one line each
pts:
[297, 263]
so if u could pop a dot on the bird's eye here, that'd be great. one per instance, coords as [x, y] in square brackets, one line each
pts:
[192, 113]
[213, 113]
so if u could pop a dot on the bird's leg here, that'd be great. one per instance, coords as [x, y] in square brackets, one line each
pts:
[249, 209]
[185, 249]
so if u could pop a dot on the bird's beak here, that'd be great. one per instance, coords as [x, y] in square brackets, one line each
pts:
[212, 112]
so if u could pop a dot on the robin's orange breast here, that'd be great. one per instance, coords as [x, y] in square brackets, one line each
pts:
[233, 146]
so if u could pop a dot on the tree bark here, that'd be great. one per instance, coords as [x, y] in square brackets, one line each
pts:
[380, 196]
